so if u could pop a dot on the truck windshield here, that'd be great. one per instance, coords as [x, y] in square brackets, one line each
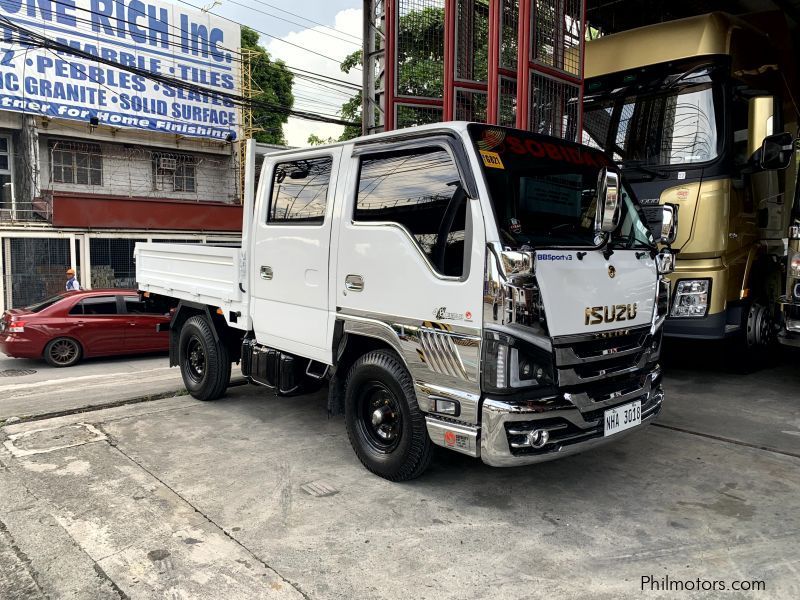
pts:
[658, 116]
[543, 191]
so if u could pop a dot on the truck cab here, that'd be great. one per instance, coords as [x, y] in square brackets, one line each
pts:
[683, 108]
[483, 289]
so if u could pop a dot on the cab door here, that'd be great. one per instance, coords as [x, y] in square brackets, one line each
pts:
[412, 243]
[291, 253]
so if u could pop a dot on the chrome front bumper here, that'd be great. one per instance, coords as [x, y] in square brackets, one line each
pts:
[574, 423]
[505, 427]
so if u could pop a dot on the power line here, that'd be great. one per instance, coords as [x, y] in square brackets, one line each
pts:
[336, 37]
[45, 42]
[269, 35]
[236, 54]
[356, 38]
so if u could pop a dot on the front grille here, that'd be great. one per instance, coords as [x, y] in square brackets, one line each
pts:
[610, 345]
[593, 358]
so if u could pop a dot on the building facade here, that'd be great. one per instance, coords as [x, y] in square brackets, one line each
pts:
[101, 145]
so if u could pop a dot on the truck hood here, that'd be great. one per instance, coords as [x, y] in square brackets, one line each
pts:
[592, 294]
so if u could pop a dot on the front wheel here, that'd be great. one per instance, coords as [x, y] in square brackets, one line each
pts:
[384, 423]
[205, 363]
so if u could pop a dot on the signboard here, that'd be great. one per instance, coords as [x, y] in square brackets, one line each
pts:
[154, 36]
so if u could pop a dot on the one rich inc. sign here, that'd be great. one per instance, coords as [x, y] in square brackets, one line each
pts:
[157, 37]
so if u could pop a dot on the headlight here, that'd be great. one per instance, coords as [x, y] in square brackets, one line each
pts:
[794, 265]
[691, 298]
[796, 291]
[510, 364]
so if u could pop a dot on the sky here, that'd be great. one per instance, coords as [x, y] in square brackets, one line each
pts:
[342, 15]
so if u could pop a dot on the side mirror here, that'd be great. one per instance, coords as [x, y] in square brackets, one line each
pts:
[607, 201]
[776, 151]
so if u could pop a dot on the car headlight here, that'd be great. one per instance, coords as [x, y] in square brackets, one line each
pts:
[794, 265]
[796, 291]
[510, 364]
[691, 298]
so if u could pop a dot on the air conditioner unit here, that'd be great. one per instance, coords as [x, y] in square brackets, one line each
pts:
[167, 164]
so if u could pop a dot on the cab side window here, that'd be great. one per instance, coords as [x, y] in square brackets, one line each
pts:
[420, 190]
[300, 192]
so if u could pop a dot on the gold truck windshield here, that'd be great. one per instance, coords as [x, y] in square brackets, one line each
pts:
[656, 117]
[543, 191]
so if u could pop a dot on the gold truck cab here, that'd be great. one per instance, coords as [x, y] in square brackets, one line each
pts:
[683, 107]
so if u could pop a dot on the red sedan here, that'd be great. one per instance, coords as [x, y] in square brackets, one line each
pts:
[74, 325]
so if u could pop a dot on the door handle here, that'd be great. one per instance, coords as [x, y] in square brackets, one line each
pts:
[266, 272]
[354, 283]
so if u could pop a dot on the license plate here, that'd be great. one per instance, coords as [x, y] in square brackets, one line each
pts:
[622, 417]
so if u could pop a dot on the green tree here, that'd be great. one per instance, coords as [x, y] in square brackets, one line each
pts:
[273, 84]
[315, 140]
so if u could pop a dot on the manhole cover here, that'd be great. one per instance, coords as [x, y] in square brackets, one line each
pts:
[17, 372]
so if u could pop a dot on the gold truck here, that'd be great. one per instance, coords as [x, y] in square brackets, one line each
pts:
[694, 111]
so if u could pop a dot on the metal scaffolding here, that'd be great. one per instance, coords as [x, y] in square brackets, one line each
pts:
[510, 62]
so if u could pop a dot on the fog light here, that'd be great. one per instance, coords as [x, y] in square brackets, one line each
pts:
[691, 298]
[446, 407]
[538, 438]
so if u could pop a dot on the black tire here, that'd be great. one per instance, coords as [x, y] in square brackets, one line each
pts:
[63, 352]
[754, 347]
[397, 448]
[205, 364]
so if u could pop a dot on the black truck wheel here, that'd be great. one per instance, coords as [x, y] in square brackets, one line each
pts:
[384, 423]
[205, 363]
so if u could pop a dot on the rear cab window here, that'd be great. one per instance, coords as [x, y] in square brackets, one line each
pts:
[299, 194]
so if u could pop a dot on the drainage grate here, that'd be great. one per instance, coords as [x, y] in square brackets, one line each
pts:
[17, 372]
[319, 489]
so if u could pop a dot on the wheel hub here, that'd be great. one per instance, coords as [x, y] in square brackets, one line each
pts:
[381, 417]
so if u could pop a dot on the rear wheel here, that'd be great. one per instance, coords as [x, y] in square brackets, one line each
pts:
[62, 352]
[384, 423]
[205, 363]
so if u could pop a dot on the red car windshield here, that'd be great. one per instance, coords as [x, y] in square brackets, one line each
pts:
[39, 306]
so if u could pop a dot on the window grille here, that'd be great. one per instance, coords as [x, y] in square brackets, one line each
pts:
[174, 172]
[76, 163]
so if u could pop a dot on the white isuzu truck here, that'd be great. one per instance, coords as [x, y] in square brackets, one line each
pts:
[484, 289]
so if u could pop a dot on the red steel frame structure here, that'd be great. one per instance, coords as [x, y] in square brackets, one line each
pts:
[540, 63]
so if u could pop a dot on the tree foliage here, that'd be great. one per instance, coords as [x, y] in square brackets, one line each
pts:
[273, 84]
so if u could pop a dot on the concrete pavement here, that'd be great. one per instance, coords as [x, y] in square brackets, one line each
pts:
[256, 496]
[93, 382]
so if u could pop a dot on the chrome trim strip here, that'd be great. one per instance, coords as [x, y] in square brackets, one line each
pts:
[568, 377]
[566, 340]
[585, 403]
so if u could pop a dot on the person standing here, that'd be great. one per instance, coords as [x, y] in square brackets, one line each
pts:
[72, 281]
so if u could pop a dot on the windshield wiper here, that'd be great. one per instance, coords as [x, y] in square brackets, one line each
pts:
[638, 165]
